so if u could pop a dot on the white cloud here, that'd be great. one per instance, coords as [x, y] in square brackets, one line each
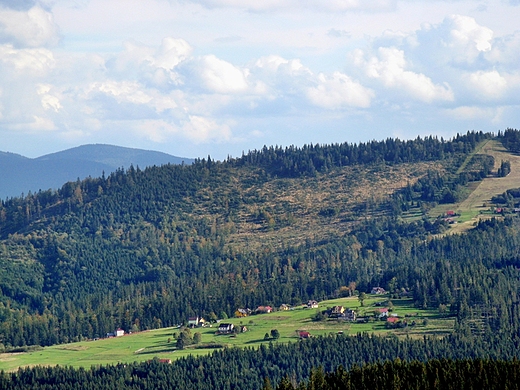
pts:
[200, 129]
[32, 28]
[35, 61]
[389, 66]
[220, 76]
[171, 52]
[488, 84]
[126, 91]
[276, 63]
[465, 32]
[49, 102]
[505, 50]
[338, 92]
[458, 41]
[155, 66]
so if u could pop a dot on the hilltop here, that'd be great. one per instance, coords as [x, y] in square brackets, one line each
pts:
[21, 175]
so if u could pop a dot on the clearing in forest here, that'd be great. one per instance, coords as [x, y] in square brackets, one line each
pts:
[477, 204]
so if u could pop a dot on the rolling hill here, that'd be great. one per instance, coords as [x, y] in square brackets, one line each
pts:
[21, 174]
[147, 248]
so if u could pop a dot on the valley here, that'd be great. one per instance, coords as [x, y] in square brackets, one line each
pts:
[160, 343]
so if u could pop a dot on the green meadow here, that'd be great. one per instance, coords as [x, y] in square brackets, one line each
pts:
[161, 343]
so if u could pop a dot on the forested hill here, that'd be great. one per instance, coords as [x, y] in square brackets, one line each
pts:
[21, 175]
[140, 249]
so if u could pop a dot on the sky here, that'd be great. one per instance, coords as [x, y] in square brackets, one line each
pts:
[195, 78]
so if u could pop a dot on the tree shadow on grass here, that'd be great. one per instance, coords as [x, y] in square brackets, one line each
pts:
[157, 350]
[255, 341]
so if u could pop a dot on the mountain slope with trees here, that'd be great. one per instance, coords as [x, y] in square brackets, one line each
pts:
[21, 175]
[141, 249]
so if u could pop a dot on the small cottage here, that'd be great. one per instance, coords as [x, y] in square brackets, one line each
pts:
[312, 304]
[264, 309]
[378, 290]
[225, 328]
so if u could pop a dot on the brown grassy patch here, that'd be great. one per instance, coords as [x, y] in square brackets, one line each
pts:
[296, 205]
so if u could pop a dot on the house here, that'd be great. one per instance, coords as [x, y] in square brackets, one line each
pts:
[242, 313]
[450, 213]
[119, 332]
[381, 313]
[304, 334]
[349, 315]
[392, 320]
[225, 328]
[264, 309]
[378, 290]
[337, 311]
[312, 304]
[284, 307]
[193, 322]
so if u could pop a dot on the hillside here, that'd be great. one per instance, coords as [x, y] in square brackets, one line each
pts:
[21, 174]
[146, 248]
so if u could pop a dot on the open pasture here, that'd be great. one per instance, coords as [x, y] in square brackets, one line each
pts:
[161, 343]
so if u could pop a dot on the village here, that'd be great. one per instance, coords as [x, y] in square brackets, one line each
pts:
[381, 311]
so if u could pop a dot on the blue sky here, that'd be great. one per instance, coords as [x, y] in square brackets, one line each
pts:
[218, 77]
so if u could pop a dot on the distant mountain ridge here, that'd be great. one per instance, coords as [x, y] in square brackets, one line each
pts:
[19, 174]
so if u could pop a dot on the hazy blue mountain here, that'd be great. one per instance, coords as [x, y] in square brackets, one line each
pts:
[19, 174]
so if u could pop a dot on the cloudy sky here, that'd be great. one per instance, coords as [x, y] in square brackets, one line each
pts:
[218, 77]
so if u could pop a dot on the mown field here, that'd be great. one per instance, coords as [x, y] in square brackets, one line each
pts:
[161, 343]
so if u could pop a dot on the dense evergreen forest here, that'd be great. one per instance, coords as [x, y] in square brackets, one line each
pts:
[142, 249]
[292, 364]
[435, 374]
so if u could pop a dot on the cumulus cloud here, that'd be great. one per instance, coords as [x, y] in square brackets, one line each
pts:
[389, 66]
[488, 84]
[33, 61]
[339, 91]
[505, 51]
[458, 41]
[276, 63]
[49, 101]
[216, 75]
[278, 77]
[154, 66]
[28, 28]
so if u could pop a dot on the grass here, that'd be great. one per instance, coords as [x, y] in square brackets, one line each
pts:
[477, 205]
[146, 345]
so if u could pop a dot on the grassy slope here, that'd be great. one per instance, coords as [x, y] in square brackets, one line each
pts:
[147, 345]
[477, 204]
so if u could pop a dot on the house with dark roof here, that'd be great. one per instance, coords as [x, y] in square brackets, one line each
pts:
[225, 328]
